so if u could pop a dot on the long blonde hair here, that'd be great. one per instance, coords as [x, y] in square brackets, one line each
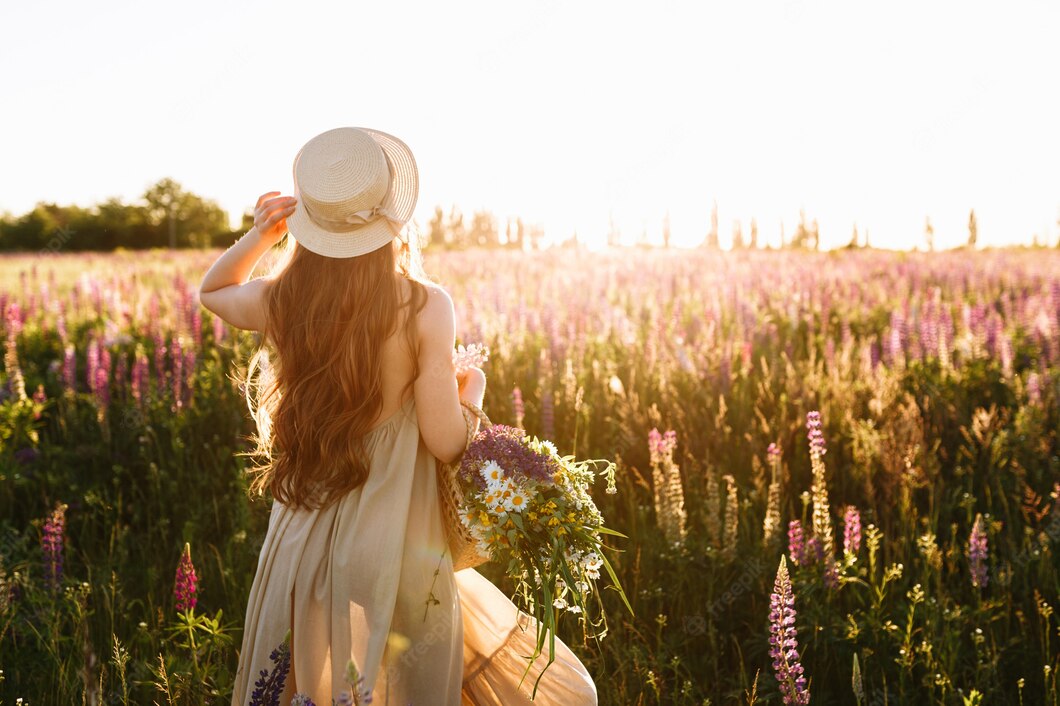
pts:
[326, 321]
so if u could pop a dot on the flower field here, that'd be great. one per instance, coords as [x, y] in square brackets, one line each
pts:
[838, 472]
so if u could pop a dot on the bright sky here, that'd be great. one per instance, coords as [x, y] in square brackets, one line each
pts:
[564, 113]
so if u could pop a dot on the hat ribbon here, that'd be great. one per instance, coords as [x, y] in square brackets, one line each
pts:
[354, 220]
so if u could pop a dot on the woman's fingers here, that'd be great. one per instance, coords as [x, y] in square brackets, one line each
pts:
[279, 201]
[262, 197]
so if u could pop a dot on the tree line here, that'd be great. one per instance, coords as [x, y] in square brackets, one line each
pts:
[168, 216]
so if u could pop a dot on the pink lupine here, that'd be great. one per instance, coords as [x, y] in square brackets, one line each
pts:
[851, 530]
[978, 553]
[52, 543]
[517, 405]
[796, 543]
[218, 329]
[70, 368]
[783, 640]
[186, 582]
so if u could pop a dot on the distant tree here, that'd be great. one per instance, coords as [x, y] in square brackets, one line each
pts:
[436, 233]
[483, 232]
[711, 240]
[457, 232]
[854, 241]
[803, 235]
[737, 236]
[929, 235]
[666, 230]
[754, 235]
[195, 219]
[973, 230]
[815, 236]
[614, 235]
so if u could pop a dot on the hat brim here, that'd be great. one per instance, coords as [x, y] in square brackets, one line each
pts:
[400, 200]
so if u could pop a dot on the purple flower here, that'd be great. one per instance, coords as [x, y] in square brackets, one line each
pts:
[813, 433]
[506, 446]
[851, 530]
[52, 543]
[517, 406]
[269, 686]
[547, 414]
[186, 581]
[662, 446]
[783, 640]
[796, 543]
[773, 454]
[978, 553]
[70, 368]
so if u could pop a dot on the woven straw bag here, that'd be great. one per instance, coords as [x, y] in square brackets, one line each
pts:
[462, 545]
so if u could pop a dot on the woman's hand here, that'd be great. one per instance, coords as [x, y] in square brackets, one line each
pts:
[471, 385]
[270, 216]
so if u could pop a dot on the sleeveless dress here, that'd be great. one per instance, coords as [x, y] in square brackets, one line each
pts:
[369, 579]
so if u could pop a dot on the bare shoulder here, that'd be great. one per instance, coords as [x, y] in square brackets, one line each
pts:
[437, 318]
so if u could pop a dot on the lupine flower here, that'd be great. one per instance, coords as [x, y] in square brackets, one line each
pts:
[796, 543]
[358, 694]
[517, 406]
[218, 329]
[773, 455]
[783, 640]
[52, 543]
[666, 484]
[978, 553]
[771, 522]
[547, 413]
[732, 514]
[851, 531]
[301, 699]
[269, 686]
[822, 519]
[712, 510]
[16, 382]
[70, 368]
[186, 583]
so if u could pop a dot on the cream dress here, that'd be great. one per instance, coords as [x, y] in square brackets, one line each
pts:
[369, 579]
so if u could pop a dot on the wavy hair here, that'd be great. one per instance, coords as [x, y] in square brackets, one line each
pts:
[326, 320]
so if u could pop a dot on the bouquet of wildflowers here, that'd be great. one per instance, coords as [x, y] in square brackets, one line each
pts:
[530, 508]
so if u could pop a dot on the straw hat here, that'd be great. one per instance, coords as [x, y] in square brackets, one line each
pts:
[356, 188]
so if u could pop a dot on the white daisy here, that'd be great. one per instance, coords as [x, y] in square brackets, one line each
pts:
[492, 472]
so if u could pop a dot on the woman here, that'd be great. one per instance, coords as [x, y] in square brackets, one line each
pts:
[358, 402]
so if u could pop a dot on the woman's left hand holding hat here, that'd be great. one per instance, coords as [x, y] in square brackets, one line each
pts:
[270, 216]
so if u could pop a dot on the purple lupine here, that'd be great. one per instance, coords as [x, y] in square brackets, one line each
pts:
[218, 329]
[547, 414]
[190, 357]
[783, 640]
[160, 360]
[70, 368]
[661, 446]
[269, 686]
[102, 386]
[196, 326]
[851, 530]
[773, 454]
[52, 542]
[978, 553]
[300, 699]
[186, 584]
[813, 433]
[517, 406]
[796, 543]
[91, 363]
[177, 360]
[139, 378]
